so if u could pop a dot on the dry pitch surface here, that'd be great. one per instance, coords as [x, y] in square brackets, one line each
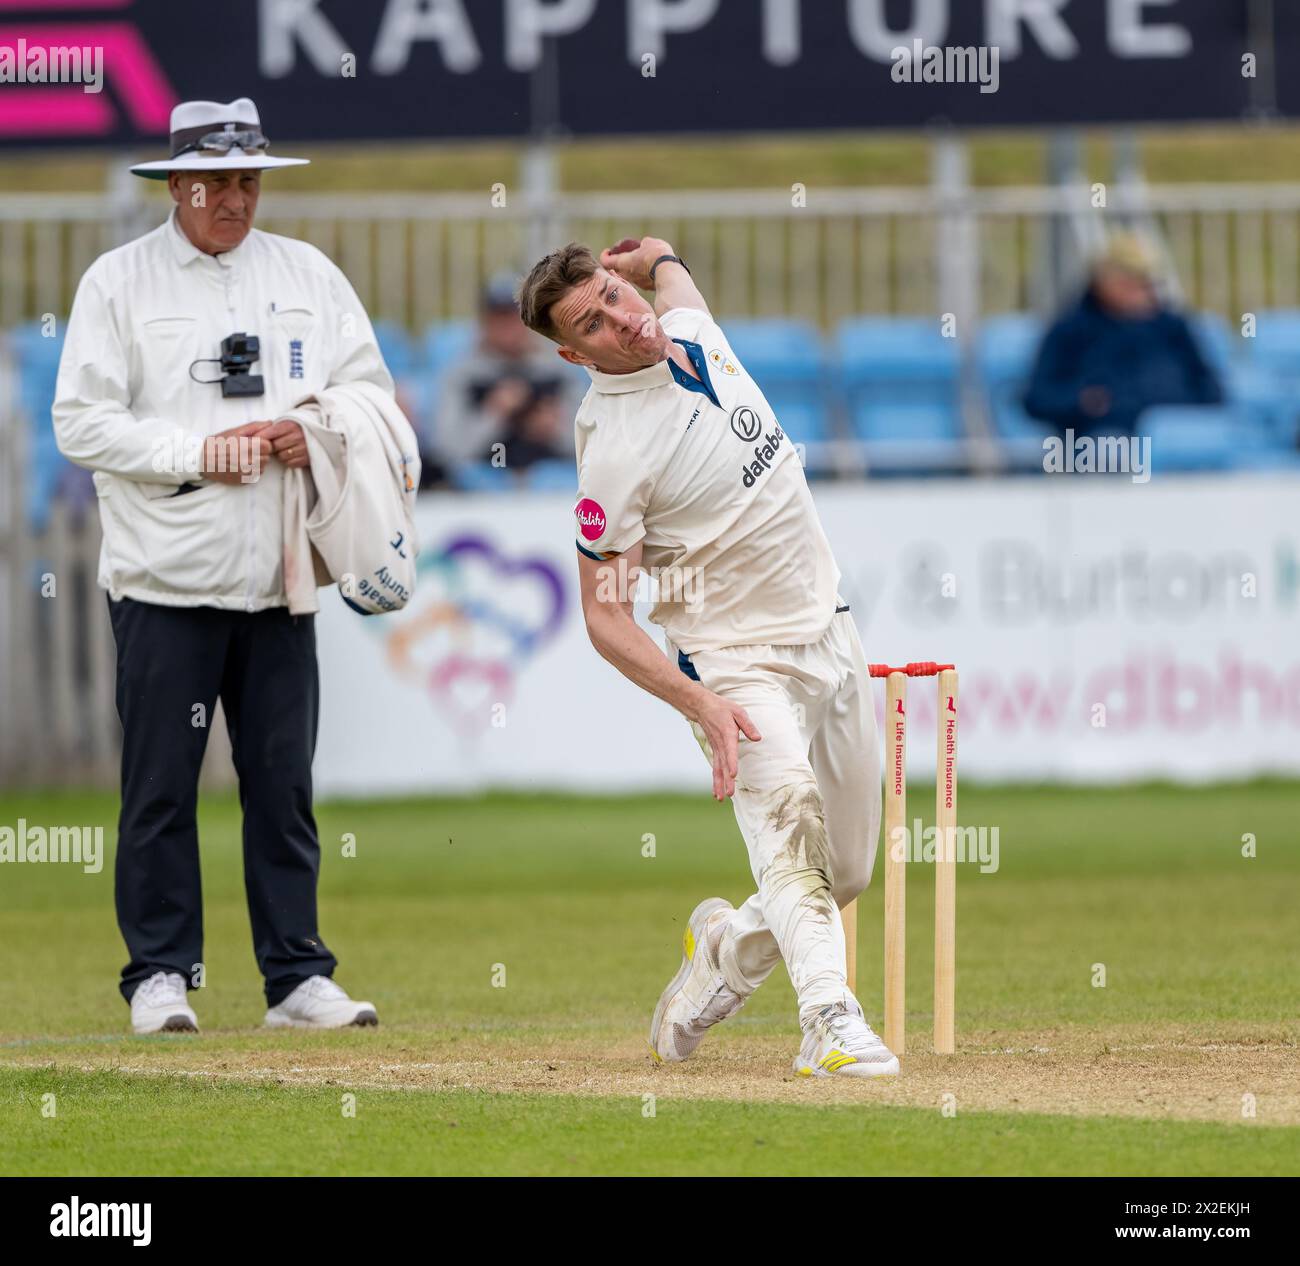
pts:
[1248, 1077]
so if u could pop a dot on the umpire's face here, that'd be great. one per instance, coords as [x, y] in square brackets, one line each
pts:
[215, 208]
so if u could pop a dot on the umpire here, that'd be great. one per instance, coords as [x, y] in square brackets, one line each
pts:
[182, 349]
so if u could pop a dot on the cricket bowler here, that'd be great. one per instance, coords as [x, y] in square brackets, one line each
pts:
[684, 470]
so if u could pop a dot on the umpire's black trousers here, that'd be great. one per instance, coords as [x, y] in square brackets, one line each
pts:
[172, 664]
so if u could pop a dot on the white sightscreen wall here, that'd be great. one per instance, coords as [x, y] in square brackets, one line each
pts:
[1104, 631]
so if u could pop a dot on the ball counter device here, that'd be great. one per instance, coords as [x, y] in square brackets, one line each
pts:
[239, 353]
[896, 850]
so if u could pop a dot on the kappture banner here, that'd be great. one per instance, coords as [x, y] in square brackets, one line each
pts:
[1104, 630]
[341, 70]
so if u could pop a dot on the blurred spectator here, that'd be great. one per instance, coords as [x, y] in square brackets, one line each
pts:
[1118, 350]
[511, 391]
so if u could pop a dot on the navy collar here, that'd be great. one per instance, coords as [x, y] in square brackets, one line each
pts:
[703, 384]
[660, 374]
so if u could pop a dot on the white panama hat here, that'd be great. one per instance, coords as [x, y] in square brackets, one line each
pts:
[215, 136]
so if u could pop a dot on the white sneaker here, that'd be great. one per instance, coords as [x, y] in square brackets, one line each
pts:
[839, 1042]
[318, 1003]
[698, 997]
[159, 1006]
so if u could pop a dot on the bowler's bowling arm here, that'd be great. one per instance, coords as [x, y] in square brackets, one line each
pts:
[607, 591]
[607, 588]
[675, 289]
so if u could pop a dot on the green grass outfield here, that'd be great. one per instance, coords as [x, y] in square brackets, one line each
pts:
[113, 1124]
[547, 1074]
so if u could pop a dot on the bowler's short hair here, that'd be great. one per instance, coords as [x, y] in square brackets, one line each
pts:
[551, 279]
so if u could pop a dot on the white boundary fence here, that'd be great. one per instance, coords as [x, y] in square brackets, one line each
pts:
[1103, 630]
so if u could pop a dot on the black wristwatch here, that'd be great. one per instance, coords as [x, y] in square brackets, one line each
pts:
[665, 259]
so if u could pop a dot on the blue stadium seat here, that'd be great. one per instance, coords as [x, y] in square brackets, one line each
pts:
[482, 477]
[1266, 380]
[900, 378]
[875, 349]
[397, 346]
[788, 361]
[36, 360]
[413, 390]
[553, 476]
[1215, 340]
[447, 342]
[1206, 437]
[1275, 349]
[1272, 401]
[1005, 351]
[443, 345]
[909, 421]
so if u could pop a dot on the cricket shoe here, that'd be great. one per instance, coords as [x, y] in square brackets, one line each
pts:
[698, 997]
[839, 1042]
[159, 1006]
[318, 1003]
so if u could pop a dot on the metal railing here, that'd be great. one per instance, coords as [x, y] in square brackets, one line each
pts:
[417, 258]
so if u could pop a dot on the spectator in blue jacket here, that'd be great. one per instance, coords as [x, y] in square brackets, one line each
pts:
[1118, 351]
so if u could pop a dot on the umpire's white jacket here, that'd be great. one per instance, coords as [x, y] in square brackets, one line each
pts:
[127, 403]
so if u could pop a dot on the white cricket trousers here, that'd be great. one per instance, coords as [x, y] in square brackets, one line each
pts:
[807, 800]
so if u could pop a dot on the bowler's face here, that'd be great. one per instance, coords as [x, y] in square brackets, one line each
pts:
[216, 208]
[606, 323]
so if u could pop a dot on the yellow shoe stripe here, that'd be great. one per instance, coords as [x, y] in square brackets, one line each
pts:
[835, 1059]
[688, 942]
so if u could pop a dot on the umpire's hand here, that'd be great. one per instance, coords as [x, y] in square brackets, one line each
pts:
[288, 444]
[238, 455]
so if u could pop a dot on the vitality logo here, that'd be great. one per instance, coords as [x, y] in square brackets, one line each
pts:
[591, 518]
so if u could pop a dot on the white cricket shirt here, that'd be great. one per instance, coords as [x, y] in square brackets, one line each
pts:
[704, 475]
[127, 405]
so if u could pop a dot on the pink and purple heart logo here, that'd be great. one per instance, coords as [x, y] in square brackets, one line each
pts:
[591, 518]
[481, 615]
